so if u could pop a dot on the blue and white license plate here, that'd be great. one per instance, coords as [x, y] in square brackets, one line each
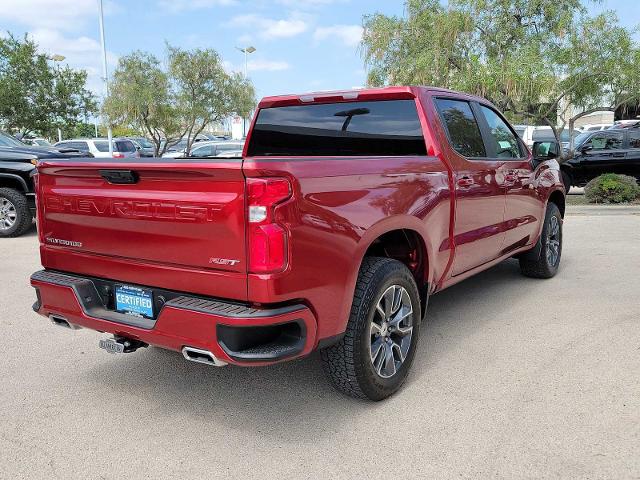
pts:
[134, 301]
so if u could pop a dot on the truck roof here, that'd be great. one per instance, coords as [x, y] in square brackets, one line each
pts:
[362, 94]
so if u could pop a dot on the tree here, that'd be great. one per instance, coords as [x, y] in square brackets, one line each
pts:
[194, 92]
[141, 94]
[205, 92]
[37, 97]
[535, 60]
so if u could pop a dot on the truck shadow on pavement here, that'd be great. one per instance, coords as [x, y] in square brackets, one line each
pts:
[294, 401]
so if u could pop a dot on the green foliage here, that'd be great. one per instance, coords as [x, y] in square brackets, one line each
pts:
[167, 104]
[612, 188]
[205, 93]
[36, 97]
[535, 60]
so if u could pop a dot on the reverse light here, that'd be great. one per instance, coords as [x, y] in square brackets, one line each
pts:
[267, 239]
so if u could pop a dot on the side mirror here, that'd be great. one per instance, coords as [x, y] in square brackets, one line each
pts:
[586, 148]
[546, 150]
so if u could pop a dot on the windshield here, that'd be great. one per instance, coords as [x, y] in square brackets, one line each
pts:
[8, 141]
[143, 142]
[580, 139]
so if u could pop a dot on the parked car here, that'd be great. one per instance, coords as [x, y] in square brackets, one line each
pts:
[17, 191]
[595, 127]
[205, 149]
[144, 146]
[217, 149]
[37, 142]
[625, 124]
[349, 211]
[605, 151]
[99, 147]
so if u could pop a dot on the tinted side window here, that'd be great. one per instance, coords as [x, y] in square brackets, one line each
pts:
[102, 146]
[388, 127]
[611, 141]
[462, 127]
[82, 146]
[506, 144]
[124, 146]
[634, 138]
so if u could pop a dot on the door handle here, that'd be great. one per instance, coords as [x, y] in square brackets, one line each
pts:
[119, 177]
[619, 154]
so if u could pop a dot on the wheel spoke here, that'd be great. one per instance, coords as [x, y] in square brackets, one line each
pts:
[398, 350]
[389, 361]
[376, 347]
[375, 328]
[380, 359]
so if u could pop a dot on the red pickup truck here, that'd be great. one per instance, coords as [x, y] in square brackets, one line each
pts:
[347, 210]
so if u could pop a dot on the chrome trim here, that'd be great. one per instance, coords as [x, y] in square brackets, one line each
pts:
[202, 356]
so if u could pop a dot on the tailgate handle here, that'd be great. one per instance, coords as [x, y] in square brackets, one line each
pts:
[119, 177]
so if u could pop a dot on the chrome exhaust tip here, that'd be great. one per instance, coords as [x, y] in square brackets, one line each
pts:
[202, 356]
[60, 321]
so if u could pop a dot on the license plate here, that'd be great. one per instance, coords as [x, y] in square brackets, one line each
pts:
[134, 301]
[111, 346]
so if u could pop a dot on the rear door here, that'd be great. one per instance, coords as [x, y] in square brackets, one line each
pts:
[523, 208]
[478, 229]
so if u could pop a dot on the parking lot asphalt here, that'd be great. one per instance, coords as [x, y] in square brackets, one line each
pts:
[514, 378]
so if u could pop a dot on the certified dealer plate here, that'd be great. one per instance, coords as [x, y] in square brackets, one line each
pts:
[134, 301]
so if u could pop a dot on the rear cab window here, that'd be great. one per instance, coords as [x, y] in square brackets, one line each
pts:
[370, 128]
[462, 127]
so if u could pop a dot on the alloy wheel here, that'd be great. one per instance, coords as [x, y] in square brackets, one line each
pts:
[553, 241]
[391, 330]
[8, 214]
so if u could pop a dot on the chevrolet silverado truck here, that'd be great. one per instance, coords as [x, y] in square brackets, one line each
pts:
[346, 212]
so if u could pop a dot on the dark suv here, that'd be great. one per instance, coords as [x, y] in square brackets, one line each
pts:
[606, 151]
[17, 167]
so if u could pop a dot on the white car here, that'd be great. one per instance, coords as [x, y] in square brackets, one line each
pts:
[99, 147]
[208, 149]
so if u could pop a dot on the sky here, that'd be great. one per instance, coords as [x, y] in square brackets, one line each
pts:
[301, 45]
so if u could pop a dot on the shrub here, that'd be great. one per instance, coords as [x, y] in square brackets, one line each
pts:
[612, 188]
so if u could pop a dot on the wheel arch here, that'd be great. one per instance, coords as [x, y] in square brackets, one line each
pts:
[10, 180]
[403, 241]
[558, 198]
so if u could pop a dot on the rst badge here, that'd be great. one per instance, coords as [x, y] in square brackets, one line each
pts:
[223, 261]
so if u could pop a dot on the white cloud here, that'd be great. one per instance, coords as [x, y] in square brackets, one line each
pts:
[270, 28]
[79, 52]
[175, 6]
[350, 35]
[54, 14]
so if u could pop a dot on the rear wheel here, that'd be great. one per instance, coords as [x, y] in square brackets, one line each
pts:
[549, 246]
[374, 357]
[15, 216]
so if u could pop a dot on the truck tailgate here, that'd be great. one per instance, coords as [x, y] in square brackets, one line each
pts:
[173, 215]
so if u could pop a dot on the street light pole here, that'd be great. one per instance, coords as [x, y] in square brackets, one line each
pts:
[105, 77]
[246, 51]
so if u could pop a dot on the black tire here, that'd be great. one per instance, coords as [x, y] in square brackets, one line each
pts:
[20, 208]
[546, 265]
[567, 180]
[349, 363]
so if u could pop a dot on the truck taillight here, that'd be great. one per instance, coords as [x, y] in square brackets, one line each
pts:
[267, 239]
[118, 155]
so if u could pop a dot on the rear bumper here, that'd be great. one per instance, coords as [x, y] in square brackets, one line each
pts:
[235, 333]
